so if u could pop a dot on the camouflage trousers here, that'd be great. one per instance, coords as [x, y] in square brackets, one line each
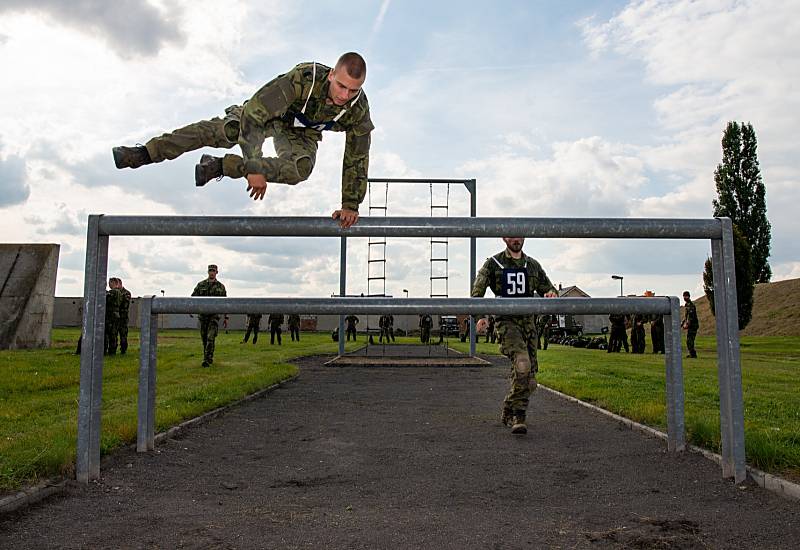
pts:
[208, 333]
[425, 335]
[296, 149]
[122, 334]
[518, 338]
[110, 340]
[690, 336]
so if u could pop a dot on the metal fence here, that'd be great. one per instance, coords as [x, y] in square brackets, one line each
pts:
[719, 231]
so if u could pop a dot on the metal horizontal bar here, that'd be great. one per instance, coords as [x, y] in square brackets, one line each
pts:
[373, 261]
[415, 180]
[439, 259]
[438, 277]
[371, 305]
[285, 226]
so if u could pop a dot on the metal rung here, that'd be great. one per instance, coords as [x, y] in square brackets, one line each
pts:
[439, 242]
[376, 242]
[370, 261]
[439, 206]
[378, 207]
[439, 259]
[439, 277]
[439, 296]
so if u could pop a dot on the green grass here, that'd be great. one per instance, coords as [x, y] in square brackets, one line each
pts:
[633, 386]
[39, 393]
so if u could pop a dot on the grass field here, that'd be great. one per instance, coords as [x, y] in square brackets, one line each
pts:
[39, 393]
[633, 386]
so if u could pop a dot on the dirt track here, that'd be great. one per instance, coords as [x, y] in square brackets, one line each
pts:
[409, 458]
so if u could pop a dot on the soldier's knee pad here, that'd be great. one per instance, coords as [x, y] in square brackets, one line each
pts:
[303, 166]
[522, 365]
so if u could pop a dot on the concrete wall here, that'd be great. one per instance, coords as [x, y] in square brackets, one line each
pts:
[27, 287]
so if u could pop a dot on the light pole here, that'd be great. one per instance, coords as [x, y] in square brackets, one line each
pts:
[620, 283]
[406, 291]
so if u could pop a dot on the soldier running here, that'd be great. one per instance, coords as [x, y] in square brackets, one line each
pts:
[293, 109]
[514, 274]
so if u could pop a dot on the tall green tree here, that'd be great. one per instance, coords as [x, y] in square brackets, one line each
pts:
[741, 194]
[744, 285]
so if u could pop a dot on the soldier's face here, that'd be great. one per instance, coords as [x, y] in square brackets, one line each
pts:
[343, 87]
[212, 274]
[514, 244]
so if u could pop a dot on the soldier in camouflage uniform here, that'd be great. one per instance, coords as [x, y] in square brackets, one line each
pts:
[657, 333]
[293, 109]
[209, 324]
[637, 333]
[253, 324]
[124, 314]
[690, 323]
[350, 329]
[513, 274]
[543, 331]
[294, 327]
[113, 301]
[425, 324]
[275, 321]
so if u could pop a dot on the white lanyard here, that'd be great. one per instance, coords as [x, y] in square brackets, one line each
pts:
[310, 91]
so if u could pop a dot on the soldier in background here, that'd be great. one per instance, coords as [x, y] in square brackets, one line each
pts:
[425, 324]
[390, 325]
[350, 329]
[209, 323]
[275, 321]
[383, 325]
[657, 333]
[543, 331]
[637, 333]
[124, 314]
[113, 301]
[253, 325]
[294, 327]
[691, 324]
[619, 335]
[513, 274]
[294, 109]
[490, 334]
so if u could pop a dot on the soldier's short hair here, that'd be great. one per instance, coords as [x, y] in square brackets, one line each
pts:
[354, 64]
[686, 293]
[212, 266]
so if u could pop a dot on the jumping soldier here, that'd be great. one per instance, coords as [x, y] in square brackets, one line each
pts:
[293, 109]
[513, 274]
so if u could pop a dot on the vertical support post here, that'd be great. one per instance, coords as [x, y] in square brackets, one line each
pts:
[729, 370]
[676, 436]
[473, 267]
[342, 288]
[87, 461]
[145, 435]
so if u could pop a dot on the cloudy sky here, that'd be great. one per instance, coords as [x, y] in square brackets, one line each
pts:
[602, 108]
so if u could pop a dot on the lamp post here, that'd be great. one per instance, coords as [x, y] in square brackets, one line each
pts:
[620, 283]
[406, 291]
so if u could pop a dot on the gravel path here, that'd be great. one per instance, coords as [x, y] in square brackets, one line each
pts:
[349, 457]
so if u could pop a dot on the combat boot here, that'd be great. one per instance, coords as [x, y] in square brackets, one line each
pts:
[207, 169]
[519, 427]
[506, 416]
[131, 157]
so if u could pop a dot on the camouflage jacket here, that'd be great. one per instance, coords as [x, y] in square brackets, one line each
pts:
[207, 287]
[426, 321]
[491, 276]
[690, 316]
[294, 321]
[275, 319]
[125, 304]
[253, 319]
[284, 97]
[113, 300]
[352, 321]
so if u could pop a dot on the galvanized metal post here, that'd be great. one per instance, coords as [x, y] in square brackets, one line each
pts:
[676, 437]
[729, 371]
[145, 440]
[87, 462]
[473, 212]
[342, 288]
